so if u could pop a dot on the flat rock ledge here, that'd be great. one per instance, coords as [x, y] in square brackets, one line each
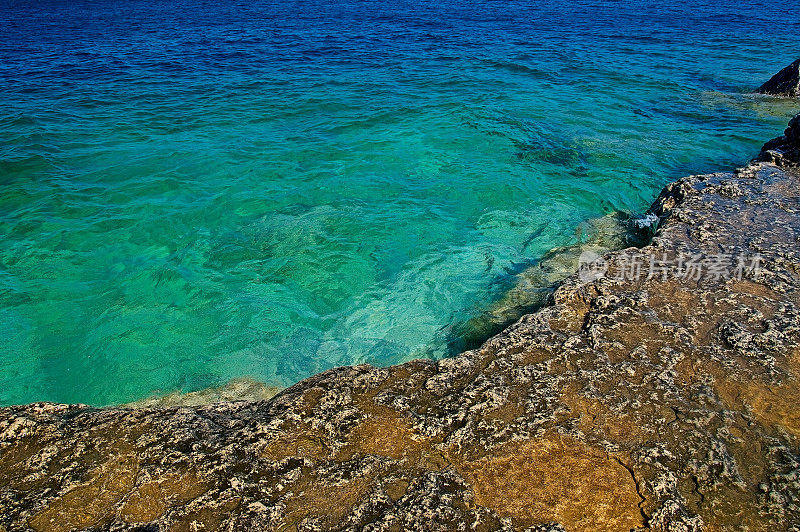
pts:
[659, 398]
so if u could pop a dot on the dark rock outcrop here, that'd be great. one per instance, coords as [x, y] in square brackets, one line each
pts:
[783, 150]
[784, 83]
[661, 392]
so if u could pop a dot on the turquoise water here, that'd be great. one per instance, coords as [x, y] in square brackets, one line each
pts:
[196, 192]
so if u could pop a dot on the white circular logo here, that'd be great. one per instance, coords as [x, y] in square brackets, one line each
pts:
[591, 266]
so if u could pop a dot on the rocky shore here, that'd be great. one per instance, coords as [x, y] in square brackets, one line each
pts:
[658, 390]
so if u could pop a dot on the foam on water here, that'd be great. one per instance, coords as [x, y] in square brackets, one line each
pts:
[197, 192]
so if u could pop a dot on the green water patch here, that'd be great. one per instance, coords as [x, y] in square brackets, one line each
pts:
[531, 288]
[181, 206]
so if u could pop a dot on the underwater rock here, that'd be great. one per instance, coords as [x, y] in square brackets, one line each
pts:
[784, 83]
[533, 287]
[661, 394]
[241, 389]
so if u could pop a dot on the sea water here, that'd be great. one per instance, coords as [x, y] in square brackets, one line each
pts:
[194, 192]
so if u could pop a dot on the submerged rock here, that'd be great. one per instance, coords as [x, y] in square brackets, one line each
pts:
[241, 389]
[784, 83]
[532, 287]
[661, 394]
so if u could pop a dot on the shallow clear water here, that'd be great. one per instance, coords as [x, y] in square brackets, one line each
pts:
[192, 192]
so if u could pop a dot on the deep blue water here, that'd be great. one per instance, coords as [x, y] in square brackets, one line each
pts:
[192, 192]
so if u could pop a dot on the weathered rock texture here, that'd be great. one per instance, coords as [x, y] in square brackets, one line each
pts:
[784, 83]
[663, 402]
